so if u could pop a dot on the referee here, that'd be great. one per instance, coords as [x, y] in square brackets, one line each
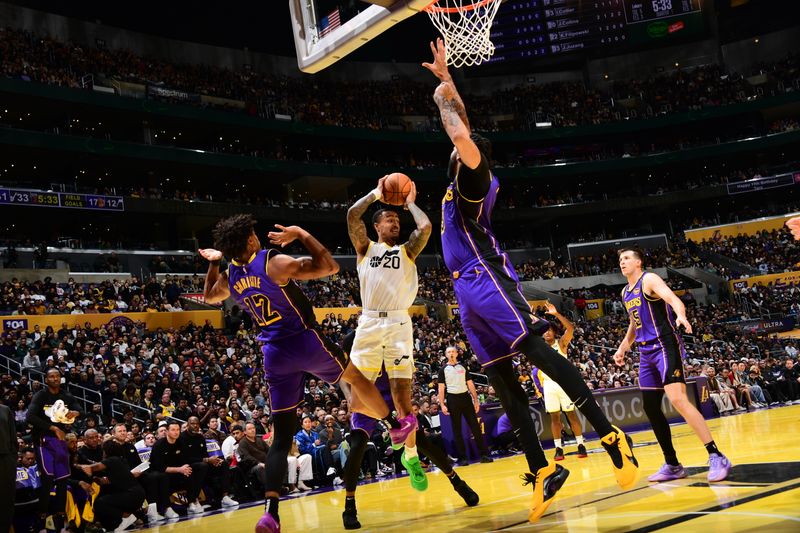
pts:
[457, 400]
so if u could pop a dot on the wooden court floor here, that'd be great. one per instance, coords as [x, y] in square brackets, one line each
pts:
[763, 492]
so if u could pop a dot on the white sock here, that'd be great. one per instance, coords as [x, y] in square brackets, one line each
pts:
[558, 443]
[579, 438]
[411, 451]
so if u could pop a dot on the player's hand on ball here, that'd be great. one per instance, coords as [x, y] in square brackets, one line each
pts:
[210, 254]
[285, 236]
[681, 321]
[794, 226]
[619, 358]
[411, 197]
[381, 188]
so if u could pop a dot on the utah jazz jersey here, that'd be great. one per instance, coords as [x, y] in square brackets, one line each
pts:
[466, 237]
[653, 317]
[278, 310]
[388, 278]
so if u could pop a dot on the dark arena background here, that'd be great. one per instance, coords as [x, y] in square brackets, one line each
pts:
[128, 131]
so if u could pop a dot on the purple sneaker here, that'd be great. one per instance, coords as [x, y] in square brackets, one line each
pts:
[268, 524]
[668, 472]
[408, 425]
[718, 467]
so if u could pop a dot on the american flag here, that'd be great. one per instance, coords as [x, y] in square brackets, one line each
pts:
[329, 23]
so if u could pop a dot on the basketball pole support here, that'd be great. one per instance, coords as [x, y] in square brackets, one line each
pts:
[315, 53]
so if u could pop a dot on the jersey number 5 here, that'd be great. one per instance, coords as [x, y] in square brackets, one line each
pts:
[636, 318]
[260, 309]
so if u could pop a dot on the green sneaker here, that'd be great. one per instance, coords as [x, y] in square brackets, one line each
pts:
[419, 481]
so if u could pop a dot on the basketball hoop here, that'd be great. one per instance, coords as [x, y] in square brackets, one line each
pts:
[465, 26]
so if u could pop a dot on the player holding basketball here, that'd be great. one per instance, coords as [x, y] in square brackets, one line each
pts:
[655, 314]
[556, 400]
[363, 426]
[262, 281]
[388, 275]
[497, 320]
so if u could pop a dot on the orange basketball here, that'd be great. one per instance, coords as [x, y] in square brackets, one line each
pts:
[396, 188]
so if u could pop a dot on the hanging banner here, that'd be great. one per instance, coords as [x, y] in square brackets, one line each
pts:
[595, 309]
[775, 280]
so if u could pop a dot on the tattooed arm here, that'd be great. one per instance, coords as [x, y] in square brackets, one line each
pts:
[419, 237]
[355, 224]
[439, 69]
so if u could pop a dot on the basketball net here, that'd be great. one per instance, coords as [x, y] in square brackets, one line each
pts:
[465, 26]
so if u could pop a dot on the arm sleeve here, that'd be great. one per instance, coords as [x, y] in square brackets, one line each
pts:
[472, 184]
[157, 462]
[35, 416]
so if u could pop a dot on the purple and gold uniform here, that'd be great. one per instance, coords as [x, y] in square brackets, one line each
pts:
[660, 345]
[292, 345]
[493, 311]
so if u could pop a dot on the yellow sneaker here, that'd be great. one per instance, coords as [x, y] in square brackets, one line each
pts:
[546, 482]
[620, 447]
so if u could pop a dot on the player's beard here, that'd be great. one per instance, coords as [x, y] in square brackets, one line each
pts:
[452, 167]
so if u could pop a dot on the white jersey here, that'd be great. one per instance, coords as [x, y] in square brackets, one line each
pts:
[388, 278]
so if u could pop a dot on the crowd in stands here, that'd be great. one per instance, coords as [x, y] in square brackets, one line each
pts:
[368, 104]
[45, 297]
[768, 251]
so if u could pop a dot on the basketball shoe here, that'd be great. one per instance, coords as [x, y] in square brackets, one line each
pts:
[620, 448]
[546, 482]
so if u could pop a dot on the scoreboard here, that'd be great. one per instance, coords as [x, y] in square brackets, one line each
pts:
[61, 199]
[538, 28]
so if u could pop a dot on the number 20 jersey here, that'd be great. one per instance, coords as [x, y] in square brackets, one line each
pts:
[278, 310]
[388, 278]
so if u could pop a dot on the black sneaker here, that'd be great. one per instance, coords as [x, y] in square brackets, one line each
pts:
[486, 459]
[465, 491]
[350, 520]
[582, 451]
[559, 454]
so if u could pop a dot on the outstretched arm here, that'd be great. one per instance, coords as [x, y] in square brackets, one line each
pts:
[355, 222]
[216, 287]
[419, 237]
[282, 268]
[439, 69]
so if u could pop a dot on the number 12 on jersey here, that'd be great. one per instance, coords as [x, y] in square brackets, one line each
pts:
[261, 310]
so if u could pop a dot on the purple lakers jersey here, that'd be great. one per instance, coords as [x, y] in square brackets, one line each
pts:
[653, 317]
[278, 310]
[467, 227]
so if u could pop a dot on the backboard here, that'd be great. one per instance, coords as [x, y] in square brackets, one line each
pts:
[323, 35]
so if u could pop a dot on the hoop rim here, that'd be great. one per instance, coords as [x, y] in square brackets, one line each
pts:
[433, 8]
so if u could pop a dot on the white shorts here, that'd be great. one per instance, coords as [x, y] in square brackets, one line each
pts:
[384, 341]
[555, 399]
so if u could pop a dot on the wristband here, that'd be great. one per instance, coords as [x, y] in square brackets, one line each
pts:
[378, 194]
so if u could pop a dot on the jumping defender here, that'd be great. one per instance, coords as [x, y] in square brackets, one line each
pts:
[497, 320]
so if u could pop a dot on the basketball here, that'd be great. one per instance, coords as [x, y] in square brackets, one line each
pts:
[396, 188]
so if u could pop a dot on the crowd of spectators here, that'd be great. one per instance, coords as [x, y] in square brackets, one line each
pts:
[46, 297]
[769, 251]
[372, 104]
